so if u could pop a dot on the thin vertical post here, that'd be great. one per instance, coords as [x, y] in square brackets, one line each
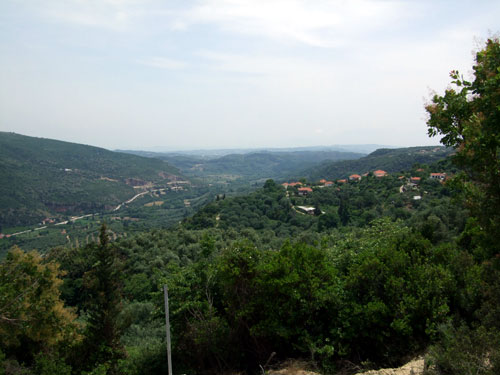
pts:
[167, 319]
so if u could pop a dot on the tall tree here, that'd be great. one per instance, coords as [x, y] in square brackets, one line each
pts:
[103, 285]
[468, 118]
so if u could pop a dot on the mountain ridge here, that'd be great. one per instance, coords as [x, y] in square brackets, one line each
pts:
[390, 160]
[42, 177]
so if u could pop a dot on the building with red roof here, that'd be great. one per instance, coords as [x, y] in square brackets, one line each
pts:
[287, 184]
[379, 173]
[305, 190]
[438, 176]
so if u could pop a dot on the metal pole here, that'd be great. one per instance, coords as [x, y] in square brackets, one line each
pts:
[167, 319]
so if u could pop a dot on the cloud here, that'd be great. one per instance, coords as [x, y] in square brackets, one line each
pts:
[242, 63]
[115, 15]
[287, 67]
[341, 69]
[163, 63]
[320, 23]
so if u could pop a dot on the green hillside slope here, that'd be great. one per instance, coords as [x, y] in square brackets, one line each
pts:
[42, 178]
[426, 203]
[389, 160]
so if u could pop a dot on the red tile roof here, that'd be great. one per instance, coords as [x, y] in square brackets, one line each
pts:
[308, 189]
[379, 173]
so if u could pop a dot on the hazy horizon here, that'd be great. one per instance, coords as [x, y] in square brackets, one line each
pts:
[219, 74]
[348, 148]
[361, 147]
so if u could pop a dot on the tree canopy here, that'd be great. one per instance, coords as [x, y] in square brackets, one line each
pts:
[31, 313]
[468, 118]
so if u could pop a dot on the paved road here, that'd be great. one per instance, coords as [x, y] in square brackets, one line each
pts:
[75, 218]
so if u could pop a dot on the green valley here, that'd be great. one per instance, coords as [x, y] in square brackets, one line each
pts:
[251, 166]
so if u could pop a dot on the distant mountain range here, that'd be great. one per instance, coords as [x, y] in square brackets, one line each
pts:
[41, 178]
[390, 160]
[216, 153]
[254, 165]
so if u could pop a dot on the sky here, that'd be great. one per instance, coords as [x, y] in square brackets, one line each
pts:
[208, 74]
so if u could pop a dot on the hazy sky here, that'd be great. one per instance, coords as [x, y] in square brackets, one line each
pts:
[183, 74]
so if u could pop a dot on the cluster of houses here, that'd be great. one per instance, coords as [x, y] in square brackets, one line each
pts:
[304, 190]
[356, 177]
[434, 176]
[413, 182]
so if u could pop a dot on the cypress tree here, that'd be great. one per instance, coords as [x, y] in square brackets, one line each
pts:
[103, 286]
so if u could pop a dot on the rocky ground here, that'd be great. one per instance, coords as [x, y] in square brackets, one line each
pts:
[415, 367]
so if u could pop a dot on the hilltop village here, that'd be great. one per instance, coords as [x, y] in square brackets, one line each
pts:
[410, 183]
[304, 188]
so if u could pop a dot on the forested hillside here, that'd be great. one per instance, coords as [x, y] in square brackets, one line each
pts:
[426, 205]
[42, 178]
[390, 160]
[254, 165]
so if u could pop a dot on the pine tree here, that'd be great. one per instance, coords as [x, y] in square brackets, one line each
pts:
[102, 282]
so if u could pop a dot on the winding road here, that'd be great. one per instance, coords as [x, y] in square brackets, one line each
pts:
[73, 219]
